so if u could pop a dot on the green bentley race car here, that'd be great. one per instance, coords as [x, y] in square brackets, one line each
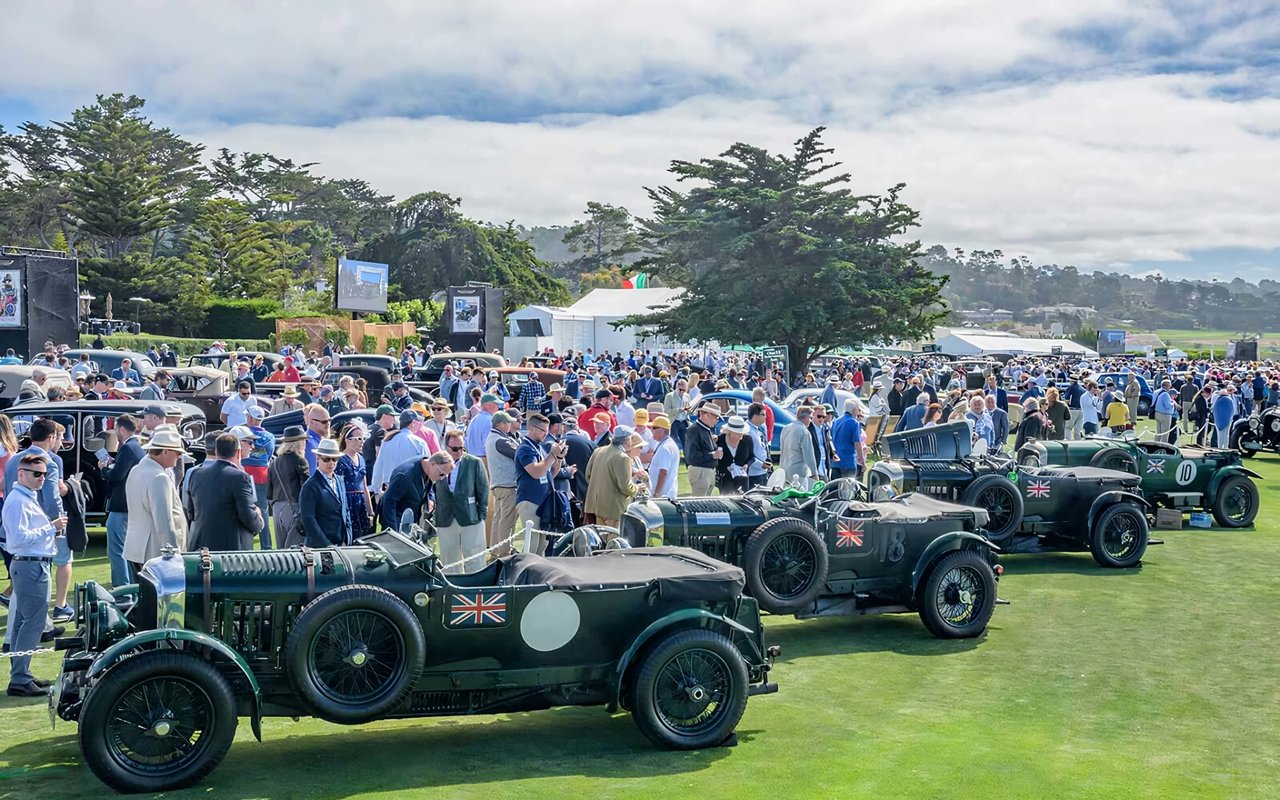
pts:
[1183, 477]
[159, 673]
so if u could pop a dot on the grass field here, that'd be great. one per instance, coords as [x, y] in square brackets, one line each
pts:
[1190, 339]
[1158, 682]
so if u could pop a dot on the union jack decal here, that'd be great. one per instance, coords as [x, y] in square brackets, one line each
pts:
[1155, 465]
[849, 533]
[1038, 489]
[477, 609]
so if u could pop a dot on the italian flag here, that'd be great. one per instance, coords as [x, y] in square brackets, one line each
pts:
[637, 281]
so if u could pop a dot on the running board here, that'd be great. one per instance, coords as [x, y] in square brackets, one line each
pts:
[847, 607]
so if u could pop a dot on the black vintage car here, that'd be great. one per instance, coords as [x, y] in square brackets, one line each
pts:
[828, 551]
[1257, 432]
[159, 673]
[90, 428]
[1032, 509]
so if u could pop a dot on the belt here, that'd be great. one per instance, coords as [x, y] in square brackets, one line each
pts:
[44, 559]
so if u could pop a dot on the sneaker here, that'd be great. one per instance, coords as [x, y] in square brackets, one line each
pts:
[53, 633]
[63, 613]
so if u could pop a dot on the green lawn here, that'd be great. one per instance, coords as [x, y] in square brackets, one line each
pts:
[1192, 339]
[1158, 682]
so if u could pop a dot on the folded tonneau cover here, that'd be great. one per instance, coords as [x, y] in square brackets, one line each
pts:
[917, 507]
[678, 573]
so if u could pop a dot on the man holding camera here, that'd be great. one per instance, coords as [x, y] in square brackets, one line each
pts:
[538, 463]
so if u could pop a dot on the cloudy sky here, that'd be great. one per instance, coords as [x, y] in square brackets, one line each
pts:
[1127, 135]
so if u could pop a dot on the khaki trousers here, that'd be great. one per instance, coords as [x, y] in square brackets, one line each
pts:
[526, 515]
[701, 479]
[462, 541]
[502, 517]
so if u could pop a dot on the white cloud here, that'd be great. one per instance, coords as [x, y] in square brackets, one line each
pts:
[1008, 133]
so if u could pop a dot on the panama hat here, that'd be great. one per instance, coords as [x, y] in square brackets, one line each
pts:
[165, 438]
[735, 424]
[710, 408]
[290, 390]
[555, 387]
[328, 447]
[294, 433]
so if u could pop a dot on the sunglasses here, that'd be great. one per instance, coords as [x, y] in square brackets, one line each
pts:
[40, 474]
[327, 459]
[455, 449]
[321, 421]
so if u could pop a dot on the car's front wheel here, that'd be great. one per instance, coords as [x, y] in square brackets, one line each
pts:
[158, 721]
[354, 652]
[786, 565]
[1236, 503]
[690, 690]
[959, 595]
[1119, 536]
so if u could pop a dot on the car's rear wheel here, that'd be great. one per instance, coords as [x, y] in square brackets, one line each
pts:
[158, 721]
[690, 690]
[1114, 458]
[959, 595]
[1002, 501]
[1119, 536]
[1239, 437]
[786, 565]
[1236, 503]
[354, 652]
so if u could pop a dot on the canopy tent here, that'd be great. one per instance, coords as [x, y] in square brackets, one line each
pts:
[976, 343]
[587, 324]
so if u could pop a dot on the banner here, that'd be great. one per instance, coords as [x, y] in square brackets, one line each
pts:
[11, 298]
[1111, 343]
[466, 313]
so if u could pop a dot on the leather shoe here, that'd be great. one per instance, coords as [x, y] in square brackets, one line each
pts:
[50, 635]
[42, 683]
[29, 689]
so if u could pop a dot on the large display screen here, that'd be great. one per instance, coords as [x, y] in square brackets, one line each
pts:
[1110, 343]
[361, 286]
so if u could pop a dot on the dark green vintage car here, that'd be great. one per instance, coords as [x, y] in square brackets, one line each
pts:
[828, 551]
[1186, 477]
[159, 673]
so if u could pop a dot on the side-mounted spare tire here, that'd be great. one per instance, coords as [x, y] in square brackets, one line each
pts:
[354, 652]
[1239, 436]
[1003, 502]
[785, 561]
[1114, 458]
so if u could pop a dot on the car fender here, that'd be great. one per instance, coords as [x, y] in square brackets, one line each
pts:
[1108, 498]
[956, 540]
[1221, 475]
[1036, 447]
[656, 627]
[139, 641]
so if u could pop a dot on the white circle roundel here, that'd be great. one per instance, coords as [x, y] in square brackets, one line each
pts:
[1186, 473]
[550, 621]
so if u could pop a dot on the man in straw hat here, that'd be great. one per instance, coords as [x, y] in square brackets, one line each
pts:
[700, 452]
[322, 505]
[155, 512]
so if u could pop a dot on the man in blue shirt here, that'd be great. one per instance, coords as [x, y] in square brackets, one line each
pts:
[31, 535]
[846, 437]
[538, 464]
[125, 372]
[1166, 409]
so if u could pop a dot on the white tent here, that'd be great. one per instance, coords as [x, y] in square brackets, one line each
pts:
[587, 323]
[962, 342]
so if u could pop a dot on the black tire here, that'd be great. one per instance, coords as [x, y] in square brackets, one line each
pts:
[1003, 502]
[958, 597]
[1114, 458]
[157, 721]
[1236, 503]
[786, 565]
[1238, 437]
[690, 690]
[1119, 536]
[1028, 457]
[1144, 407]
[354, 652]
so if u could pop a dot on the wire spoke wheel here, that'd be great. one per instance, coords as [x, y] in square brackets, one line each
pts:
[960, 594]
[160, 725]
[690, 691]
[1238, 502]
[999, 506]
[788, 566]
[1120, 537]
[356, 656]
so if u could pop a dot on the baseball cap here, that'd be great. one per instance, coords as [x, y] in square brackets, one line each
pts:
[502, 417]
[408, 416]
[488, 397]
[242, 433]
[383, 410]
[154, 408]
[256, 412]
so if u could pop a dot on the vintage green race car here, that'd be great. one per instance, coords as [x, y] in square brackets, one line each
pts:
[1185, 477]
[158, 676]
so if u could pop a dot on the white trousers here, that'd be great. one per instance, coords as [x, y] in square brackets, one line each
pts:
[462, 541]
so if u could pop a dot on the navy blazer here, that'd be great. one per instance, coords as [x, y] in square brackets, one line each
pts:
[221, 505]
[406, 491]
[127, 457]
[323, 523]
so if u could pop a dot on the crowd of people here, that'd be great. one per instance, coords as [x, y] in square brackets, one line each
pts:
[486, 471]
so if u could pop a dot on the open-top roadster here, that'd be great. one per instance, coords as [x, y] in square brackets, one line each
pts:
[1031, 509]
[158, 675]
[1186, 477]
[828, 551]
